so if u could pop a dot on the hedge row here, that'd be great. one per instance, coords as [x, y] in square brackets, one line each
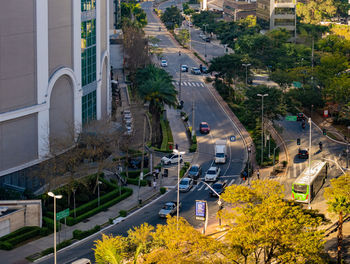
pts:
[78, 234]
[164, 145]
[28, 233]
[184, 169]
[193, 146]
[134, 173]
[169, 133]
[49, 223]
[72, 221]
[59, 246]
[17, 232]
[136, 181]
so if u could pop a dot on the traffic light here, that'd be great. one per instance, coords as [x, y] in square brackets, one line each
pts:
[298, 141]
[324, 131]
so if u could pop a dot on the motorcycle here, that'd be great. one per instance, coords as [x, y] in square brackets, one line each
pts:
[320, 146]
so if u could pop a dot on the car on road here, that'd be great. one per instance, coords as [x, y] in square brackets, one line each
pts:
[195, 171]
[195, 71]
[171, 159]
[169, 208]
[185, 184]
[207, 39]
[219, 188]
[303, 153]
[212, 174]
[129, 131]
[300, 117]
[202, 35]
[204, 69]
[164, 63]
[184, 68]
[204, 128]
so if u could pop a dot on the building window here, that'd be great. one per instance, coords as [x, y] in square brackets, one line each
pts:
[87, 5]
[284, 11]
[88, 55]
[89, 107]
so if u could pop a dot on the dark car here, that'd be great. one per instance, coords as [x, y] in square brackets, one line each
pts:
[195, 171]
[207, 39]
[204, 69]
[303, 153]
[136, 162]
[300, 117]
[204, 128]
[219, 187]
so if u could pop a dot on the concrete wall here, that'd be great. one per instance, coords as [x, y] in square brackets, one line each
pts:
[60, 27]
[103, 26]
[104, 90]
[17, 53]
[18, 141]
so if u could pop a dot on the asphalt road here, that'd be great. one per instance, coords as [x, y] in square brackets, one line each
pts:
[206, 109]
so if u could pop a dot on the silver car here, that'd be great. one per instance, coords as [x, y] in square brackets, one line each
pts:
[185, 184]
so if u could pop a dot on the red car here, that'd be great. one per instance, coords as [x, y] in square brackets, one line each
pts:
[204, 128]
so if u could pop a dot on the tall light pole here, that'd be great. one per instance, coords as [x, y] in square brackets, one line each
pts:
[59, 196]
[310, 155]
[98, 193]
[262, 125]
[205, 41]
[246, 65]
[178, 185]
[180, 84]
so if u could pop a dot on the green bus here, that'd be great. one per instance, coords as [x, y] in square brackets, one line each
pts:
[309, 182]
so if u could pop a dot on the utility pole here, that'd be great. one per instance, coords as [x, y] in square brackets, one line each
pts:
[310, 155]
[262, 125]
[205, 41]
[193, 129]
[143, 157]
[246, 65]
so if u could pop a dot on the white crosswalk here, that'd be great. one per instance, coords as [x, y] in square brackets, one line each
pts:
[297, 169]
[190, 84]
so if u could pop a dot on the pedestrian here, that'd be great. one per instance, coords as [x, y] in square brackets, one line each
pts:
[176, 146]
[258, 174]
[154, 184]
[157, 173]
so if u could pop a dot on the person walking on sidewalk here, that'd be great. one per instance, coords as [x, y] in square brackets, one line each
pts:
[154, 184]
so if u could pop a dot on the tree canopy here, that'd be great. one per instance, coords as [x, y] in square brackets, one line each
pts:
[314, 11]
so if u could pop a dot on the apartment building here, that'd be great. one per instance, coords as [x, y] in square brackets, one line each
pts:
[236, 10]
[277, 13]
[54, 78]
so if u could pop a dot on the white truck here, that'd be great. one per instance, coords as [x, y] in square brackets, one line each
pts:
[220, 151]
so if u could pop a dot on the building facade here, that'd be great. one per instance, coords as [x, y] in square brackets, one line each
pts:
[277, 13]
[54, 78]
[236, 10]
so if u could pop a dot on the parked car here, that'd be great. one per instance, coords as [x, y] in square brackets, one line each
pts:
[303, 153]
[212, 174]
[185, 184]
[207, 39]
[129, 131]
[219, 188]
[171, 159]
[184, 68]
[300, 117]
[204, 128]
[195, 71]
[169, 208]
[202, 35]
[195, 171]
[204, 69]
[164, 63]
[135, 162]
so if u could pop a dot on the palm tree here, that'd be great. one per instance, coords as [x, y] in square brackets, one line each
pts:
[338, 196]
[154, 85]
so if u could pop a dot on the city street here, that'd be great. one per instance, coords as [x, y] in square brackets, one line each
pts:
[193, 92]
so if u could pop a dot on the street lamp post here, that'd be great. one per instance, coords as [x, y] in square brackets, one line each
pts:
[59, 196]
[246, 65]
[98, 193]
[262, 125]
[180, 84]
[178, 185]
[310, 155]
[205, 41]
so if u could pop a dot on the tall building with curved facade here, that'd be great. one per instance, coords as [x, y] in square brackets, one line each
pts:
[54, 77]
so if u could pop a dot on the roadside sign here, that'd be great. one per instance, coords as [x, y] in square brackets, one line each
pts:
[200, 210]
[291, 118]
[62, 214]
[232, 138]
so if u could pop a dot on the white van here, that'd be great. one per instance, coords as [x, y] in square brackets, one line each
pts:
[82, 261]
[220, 151]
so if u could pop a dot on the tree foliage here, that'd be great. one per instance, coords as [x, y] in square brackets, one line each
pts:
[265, 229]
[134, 13]
[314, 11]
[171, 17]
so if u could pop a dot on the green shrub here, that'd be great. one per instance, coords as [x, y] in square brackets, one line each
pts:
[123, 213]
[25, 236]
[136, 181]
[44, 231]
[47, 251]
[164, 144]
[134, 173]
[18, 232]
[194, 139]
[162, 190]
[193, 148]
[6, 245]
[64, 244]
[169, 133]
[72, 221]
[78, 234]
[48, 222]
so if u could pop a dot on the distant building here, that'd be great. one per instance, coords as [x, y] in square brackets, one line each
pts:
[236, 10]
[54, 78]
[277, 13]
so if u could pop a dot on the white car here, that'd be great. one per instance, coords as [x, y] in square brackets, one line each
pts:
[212, 174]
[202, 35]
[185, 184]
[171, 159]
[184, 68]
[129, 130]
[164, 63]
